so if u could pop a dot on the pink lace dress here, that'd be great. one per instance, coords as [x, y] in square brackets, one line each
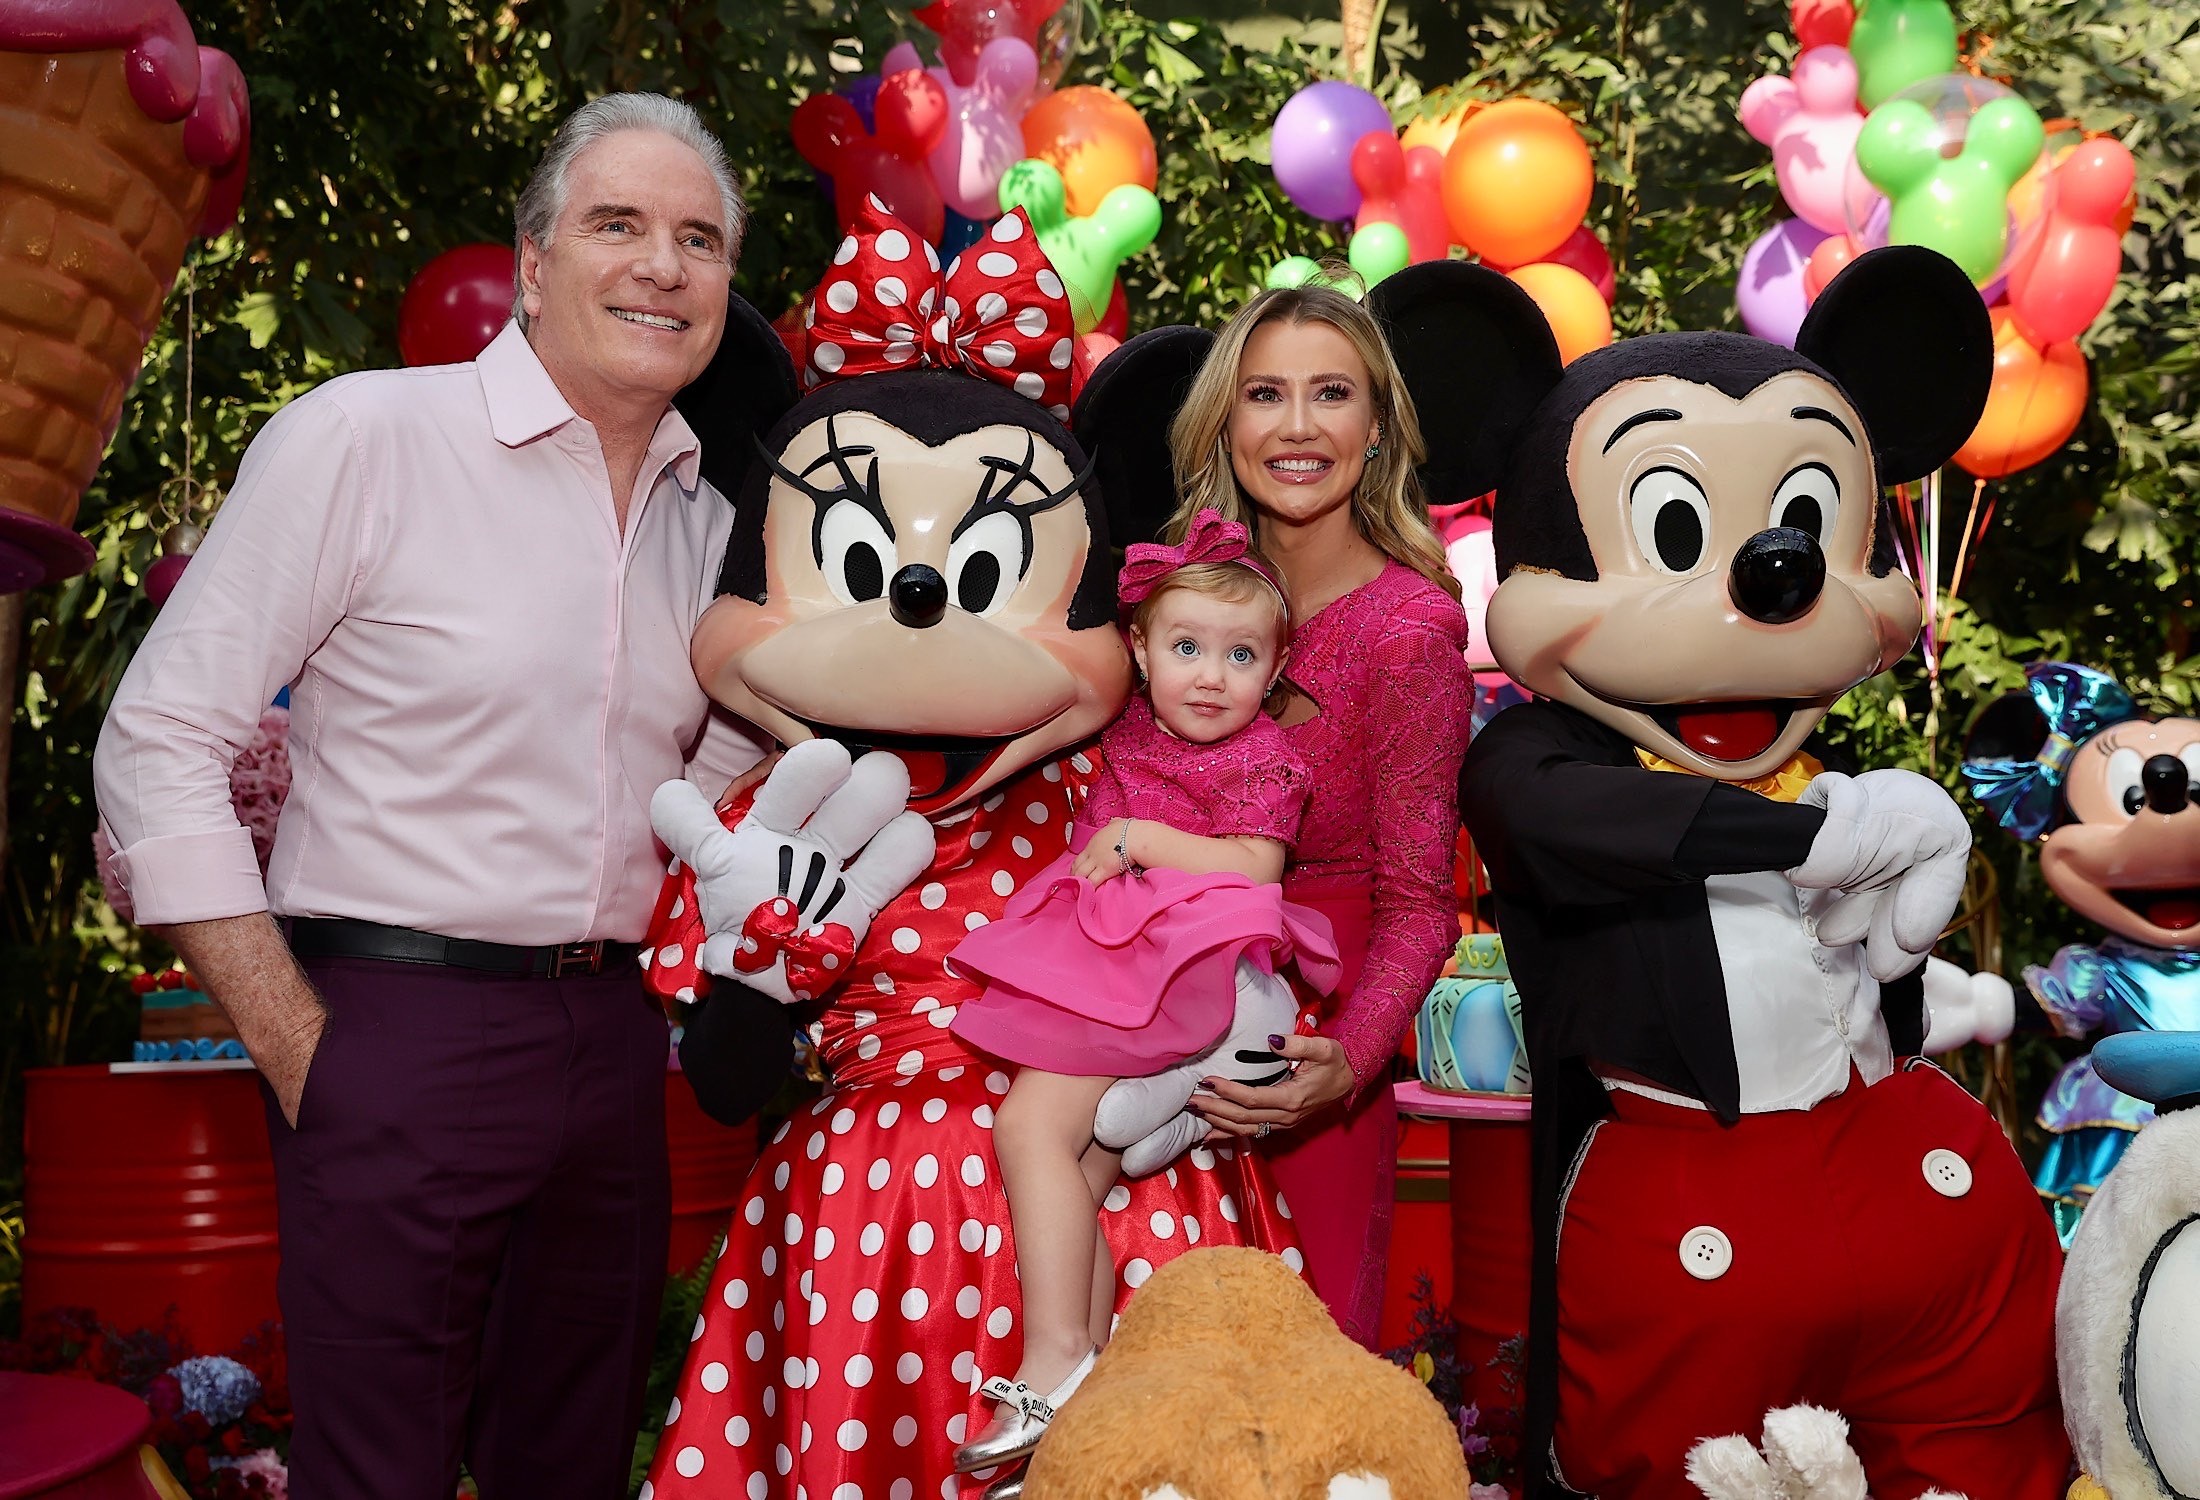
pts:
[1138, 973]
[1386, 669]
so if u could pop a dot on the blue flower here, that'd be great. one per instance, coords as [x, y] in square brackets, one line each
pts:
[217, 1388]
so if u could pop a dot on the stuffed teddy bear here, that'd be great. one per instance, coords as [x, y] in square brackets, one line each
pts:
[1175, 1410]
[1806, 1457]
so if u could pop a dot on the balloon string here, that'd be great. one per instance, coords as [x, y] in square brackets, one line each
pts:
[1932, 571]
[1963, 550]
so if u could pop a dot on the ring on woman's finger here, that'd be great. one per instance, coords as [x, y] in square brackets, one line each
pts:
[1262, 1132]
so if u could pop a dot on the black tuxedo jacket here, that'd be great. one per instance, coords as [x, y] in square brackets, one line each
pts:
[1598, 867]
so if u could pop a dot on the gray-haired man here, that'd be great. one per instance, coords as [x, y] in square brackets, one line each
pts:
[479, 581]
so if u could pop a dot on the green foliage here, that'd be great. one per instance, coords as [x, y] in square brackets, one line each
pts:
[389, 130]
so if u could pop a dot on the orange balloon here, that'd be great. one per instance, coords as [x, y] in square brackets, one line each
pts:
[1438, 130]
[1579, 317]
[2036, 402]
[1517, 181]
[1833, 253]
[1095, 140]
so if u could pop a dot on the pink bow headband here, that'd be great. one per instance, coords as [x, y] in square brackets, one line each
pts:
[1209, 539]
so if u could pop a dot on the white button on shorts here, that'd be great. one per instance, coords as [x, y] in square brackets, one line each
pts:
[1947, 1173]
[1706, 1254]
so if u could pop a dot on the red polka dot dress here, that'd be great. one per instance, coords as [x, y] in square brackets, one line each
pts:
[868, 1282]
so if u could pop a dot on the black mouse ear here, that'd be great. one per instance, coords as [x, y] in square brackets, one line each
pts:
[2009, 728]
[1122, 419]
[744, 391]
[1904, 332]
[1477, 357]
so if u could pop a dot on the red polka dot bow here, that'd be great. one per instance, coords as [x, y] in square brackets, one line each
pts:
[816, 956]
[999, 311]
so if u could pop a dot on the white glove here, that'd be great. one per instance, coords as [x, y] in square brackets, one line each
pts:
[1145, 1118]
[1962, 1008]
[1896, 845]
[810, 816]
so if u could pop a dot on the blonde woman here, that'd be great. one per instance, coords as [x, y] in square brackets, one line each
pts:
[1299, 426]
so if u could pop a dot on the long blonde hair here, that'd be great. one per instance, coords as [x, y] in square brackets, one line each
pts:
[1387, 505]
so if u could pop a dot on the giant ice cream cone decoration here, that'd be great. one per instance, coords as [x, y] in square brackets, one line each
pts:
[120, 138]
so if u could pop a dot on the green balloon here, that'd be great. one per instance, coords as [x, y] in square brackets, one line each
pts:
[1084, 252]
[1379, 250]
[1957, 205]
[1900, 42]
[1292, 271]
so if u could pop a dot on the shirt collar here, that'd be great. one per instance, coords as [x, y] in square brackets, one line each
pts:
[524, 403]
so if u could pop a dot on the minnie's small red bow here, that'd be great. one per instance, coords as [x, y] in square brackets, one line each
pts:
[815, 956]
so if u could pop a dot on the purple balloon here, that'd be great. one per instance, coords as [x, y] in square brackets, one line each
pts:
[1770, 295]
[1311, 147]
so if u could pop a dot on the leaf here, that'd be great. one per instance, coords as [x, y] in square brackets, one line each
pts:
[256, 314]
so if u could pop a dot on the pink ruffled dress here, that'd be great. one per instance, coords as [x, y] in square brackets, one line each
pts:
[1135, 975]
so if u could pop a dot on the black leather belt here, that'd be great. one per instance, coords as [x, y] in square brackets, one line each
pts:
[341, 937]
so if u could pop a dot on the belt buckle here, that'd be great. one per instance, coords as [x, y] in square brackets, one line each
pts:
[576, 958]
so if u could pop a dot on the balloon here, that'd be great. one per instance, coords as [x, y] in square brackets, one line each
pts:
[1516, 181]
[1294, 270]
[1770, 294]
[1438, 131]
[1946, 153]
[456, 305]
[2036, 402]
[2066, 278]
[1810, 122]
[1311, 145]
[1586, 253]
[912, 116]
[1085, 357]
[1095, 140]
[1057, 42]
[959, 232]
[1084, 251]
[1826, 262]
[863, 94]
[1405, 188]
[1116, 321]
[964, 27]
[983, 138]
[1578, 317]
[1822, 23]
[1898, 43]
[1379, 250]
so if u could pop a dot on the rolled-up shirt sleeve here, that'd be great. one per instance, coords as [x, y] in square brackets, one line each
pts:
[269, 583]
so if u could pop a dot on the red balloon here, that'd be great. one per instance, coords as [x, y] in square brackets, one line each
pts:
[456, 305]
[2059, 288]
[1116, 321]
[965, 26]
[830, 135]
[1405, 188]
[1580, 251]
[1086, 356]
[1823, 23]
[911, 111]
[1826, 262]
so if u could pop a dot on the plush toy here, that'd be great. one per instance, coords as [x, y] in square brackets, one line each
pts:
[1806, 1457]
[2128, 1319]
[1766, 1196]
[2113, 800]
[1176, 1410]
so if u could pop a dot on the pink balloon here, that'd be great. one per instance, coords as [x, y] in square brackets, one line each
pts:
[2060, 287]
[1811, 123]
[984, 135]
[1405, 188]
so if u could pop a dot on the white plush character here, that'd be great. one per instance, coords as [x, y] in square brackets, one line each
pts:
[1145, 1118]
[1806, 1456]
[1962, 1007]
[2127, 1321]
[813, 814]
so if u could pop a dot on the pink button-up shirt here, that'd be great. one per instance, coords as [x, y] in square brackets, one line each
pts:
[487, 680]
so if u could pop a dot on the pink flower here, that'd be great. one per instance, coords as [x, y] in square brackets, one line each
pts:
[1488, 1492]
[269, 1466]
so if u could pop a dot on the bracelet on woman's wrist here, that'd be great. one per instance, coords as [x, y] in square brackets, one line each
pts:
[1123, 846]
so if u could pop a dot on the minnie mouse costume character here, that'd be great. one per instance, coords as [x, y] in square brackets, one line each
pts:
[918, 598]
[1748, 1190]
[2113, 799]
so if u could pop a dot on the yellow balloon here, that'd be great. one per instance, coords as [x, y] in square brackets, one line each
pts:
[1571, 304]
[1437, 130]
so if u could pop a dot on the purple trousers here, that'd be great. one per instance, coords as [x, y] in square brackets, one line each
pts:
[474, 1208]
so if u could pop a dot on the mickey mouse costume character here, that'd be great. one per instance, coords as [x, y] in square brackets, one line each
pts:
[1748, 1191]
[2113, 799]
[920, 566]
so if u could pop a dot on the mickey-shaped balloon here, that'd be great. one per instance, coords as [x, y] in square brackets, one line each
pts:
[2113, 799]
[967, 27]
[1765, 1195]
[1898, 43]
[911, 114]
[1810, 121]
[1404, 187]
[1957, 205]
[1086, 251]
[2066, 277]
[984, 137]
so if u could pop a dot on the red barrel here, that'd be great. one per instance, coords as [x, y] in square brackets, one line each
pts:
[710, 1161]
[143, 1190]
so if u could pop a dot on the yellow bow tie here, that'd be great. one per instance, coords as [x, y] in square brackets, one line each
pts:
[1784, 785]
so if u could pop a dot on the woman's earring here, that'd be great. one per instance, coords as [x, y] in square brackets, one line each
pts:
[1373, 449]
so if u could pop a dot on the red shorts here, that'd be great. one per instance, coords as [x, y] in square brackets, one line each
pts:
[1882, 1255]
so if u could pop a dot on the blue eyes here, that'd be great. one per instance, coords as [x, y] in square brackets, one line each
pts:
[1242, 655]
[1186, 649]
[1239, 656]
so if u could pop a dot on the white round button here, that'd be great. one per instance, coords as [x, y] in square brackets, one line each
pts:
[1947, 1173]
[1706, 1254]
